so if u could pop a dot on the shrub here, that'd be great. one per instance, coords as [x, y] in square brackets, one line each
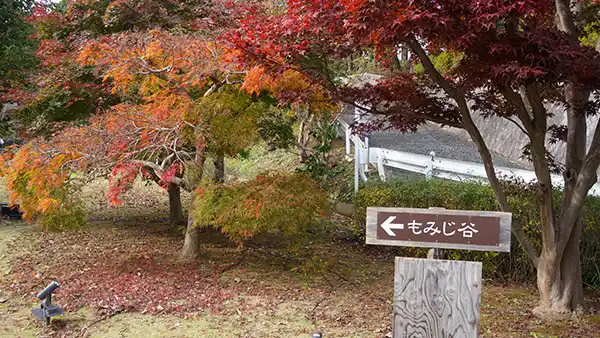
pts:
[65, 217]
[66, 214]
[319, 163]
[514, 267]
[282, 203]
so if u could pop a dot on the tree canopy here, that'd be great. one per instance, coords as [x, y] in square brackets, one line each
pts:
[513, 59]
[16, 48]
[163, 94]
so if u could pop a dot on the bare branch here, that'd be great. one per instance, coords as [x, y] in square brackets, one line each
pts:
[518, 125]
[182, 182]
[516, 100]
[166, 161]
[585, 180]
[212, 89]
[431, 71]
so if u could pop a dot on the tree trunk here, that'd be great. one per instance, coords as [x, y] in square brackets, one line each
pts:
[559, 279]
[303, 137]
[191, 244]
[175, 207]
[395, 60]
[558, 266]
[477, 138]
[405, 64]
[571, 269]
[219, 162]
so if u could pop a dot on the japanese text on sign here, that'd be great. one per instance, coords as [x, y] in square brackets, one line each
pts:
[464, 229]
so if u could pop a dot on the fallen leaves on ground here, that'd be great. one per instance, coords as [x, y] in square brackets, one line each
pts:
[133, 269]
[332, 284]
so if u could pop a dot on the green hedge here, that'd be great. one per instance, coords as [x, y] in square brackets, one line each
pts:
[501, 267]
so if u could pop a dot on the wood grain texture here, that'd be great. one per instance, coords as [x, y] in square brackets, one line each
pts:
[505, 224]
[436, 298]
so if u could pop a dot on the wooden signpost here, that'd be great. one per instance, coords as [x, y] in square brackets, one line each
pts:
[437, 298]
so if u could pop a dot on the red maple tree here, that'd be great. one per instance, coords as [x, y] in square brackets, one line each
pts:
[516, 58]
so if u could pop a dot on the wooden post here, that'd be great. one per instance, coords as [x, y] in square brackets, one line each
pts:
[356, 165]
[436, 298]
[348, 134]
[381, 168]
[435, 253]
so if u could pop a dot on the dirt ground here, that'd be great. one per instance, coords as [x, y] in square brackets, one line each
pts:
[121, 278]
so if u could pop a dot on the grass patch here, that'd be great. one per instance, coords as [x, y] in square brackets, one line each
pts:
[258, 160]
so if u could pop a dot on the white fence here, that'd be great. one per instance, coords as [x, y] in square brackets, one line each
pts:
[430, 166]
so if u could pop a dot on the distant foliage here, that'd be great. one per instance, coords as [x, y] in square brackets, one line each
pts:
[591, 34]
[56, 89]
[16, 49]
[283, 203]
[358, 63]
[290, 87]
[319, 164]
[589, 23]
[502, 267]
[276, 128]
[444, 62]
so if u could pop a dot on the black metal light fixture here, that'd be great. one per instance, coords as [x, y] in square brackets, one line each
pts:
[11, 211]
[47, 309]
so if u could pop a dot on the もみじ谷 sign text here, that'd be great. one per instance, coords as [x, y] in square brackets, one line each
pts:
[438, 228]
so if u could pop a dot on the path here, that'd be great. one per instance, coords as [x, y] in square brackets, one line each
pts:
[15, 313]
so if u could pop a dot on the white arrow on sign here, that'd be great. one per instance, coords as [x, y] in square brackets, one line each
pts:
[387, 225]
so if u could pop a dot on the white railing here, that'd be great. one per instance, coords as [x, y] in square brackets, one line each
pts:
[430, 166]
